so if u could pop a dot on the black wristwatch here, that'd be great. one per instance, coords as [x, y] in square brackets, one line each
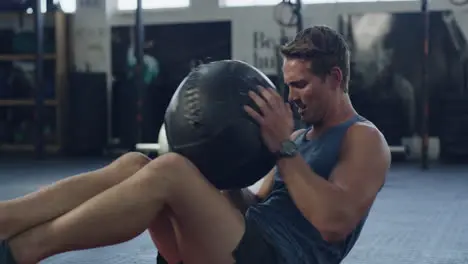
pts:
[288, 149]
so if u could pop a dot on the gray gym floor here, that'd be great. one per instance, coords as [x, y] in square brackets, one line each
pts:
[419, 217]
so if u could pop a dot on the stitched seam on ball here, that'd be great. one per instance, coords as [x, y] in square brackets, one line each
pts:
[192, 106]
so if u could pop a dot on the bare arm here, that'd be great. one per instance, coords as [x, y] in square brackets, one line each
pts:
[266, 186]
[244, 198]
[334, 207]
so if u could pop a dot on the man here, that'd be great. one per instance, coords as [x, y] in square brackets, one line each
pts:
[151, 64]
[312, 206]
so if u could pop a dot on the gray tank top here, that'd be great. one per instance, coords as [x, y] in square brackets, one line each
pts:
[298, 241]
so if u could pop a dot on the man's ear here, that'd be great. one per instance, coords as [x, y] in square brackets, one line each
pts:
[336, 76]
[337, 73]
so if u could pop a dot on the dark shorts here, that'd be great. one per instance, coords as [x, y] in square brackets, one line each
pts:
[254, 247]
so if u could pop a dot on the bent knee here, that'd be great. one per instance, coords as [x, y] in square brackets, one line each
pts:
[173, 161]
[132, 160]
[175, 168]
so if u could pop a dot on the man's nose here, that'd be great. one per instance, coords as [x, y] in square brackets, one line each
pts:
[292, 96]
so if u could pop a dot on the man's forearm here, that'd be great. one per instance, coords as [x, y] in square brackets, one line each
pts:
[319, 200]
[242, 199]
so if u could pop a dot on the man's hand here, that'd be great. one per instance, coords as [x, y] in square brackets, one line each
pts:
[275, 117]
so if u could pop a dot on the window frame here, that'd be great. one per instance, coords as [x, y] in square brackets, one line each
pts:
[119, 8]
[225, 3]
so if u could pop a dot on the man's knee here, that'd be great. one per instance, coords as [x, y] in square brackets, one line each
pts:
[173, 171]
[132, 160]
[173, 162]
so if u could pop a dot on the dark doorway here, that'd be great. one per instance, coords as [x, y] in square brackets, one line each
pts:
[175, 47]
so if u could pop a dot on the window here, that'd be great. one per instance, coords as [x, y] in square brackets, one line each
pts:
[68, 6]
[152, 4]
[234, 3]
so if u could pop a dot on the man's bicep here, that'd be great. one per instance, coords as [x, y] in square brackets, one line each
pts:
[266, 185]
[363, 167]
[267, 181]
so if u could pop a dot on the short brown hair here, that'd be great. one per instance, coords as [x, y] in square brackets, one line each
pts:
[324, 47]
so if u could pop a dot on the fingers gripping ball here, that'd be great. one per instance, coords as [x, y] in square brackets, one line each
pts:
[206, 123]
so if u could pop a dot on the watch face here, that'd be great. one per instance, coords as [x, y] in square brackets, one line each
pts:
[289, 148]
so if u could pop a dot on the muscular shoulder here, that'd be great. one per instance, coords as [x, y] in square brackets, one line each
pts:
[364, 129]
[366, 137]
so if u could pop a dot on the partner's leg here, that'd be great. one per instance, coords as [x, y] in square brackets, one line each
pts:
[50, 202]
[122, 212]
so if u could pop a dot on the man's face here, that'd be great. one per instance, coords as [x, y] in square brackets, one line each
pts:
[311, 94]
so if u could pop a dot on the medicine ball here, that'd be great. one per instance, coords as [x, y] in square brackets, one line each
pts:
[206, 123]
